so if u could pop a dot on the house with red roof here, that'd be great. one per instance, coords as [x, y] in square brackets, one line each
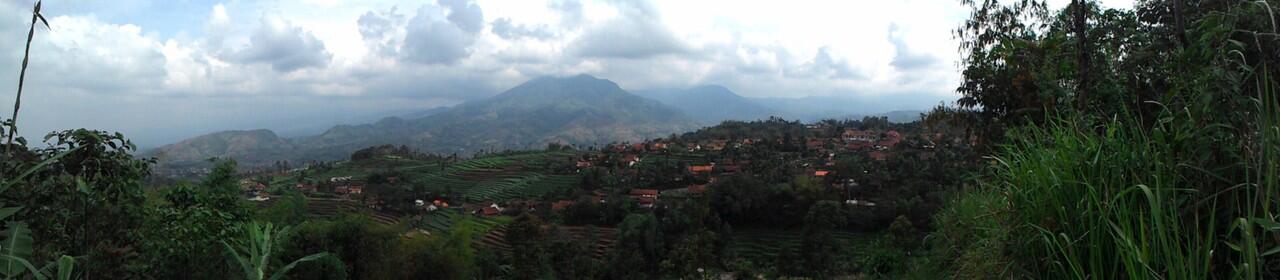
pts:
[854, 135]
[491, 210]
[650, 193]
[597, 196]
[657, 146]
[697, 190]
[878, 155]
[858, 145]
[631, 159]
[695, 169]
[647, 202]
[561, 205]
[815, 144]
[305, 187]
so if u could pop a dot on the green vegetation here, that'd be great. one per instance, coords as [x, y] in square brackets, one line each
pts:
[252, 253]
[763, 245]
[447, 219]
[1165, 167]
[1088, 144]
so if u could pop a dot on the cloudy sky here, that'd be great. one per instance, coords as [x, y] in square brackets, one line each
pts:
[169, 69]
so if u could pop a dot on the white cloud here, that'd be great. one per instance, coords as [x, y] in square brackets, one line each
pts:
[430, 39]
[87, 55]
[284, 46]
[357, 54]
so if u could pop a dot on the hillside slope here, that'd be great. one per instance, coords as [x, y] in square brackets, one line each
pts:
[581, 110]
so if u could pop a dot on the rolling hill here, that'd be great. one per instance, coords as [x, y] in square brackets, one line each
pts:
[581, 110]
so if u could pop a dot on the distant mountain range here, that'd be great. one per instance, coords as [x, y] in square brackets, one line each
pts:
[711, 104]
[580, 110]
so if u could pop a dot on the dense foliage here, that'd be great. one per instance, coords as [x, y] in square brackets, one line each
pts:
[1164, 167]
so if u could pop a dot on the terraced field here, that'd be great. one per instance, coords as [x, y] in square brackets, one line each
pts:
[762, 245]
[603, 239]
[331, 208]
[500, 178]
[444, 220]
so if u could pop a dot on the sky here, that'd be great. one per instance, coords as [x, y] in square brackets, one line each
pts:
[160, 71]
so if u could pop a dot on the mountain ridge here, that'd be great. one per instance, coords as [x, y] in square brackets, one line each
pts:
[580, 110]
[711, 104]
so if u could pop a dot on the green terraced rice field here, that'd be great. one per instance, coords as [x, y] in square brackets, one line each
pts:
[499, 178]
[763, 245]
[444, 220]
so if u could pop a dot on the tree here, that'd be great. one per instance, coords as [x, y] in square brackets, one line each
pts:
[182, 230]
[361, 244]
[289, 209]
[638, 248]
[529, 258]
[572, 259]
[692, 256]
[818, 244]
[448, 256]
[90, 192]
[904, 233]
[739, 198]
[1005, 88]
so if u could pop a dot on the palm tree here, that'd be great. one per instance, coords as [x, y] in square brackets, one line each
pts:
[253, 253]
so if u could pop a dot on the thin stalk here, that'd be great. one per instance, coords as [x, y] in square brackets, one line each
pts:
[22, 76]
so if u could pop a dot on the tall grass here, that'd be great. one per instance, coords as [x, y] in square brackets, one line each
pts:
[1089, 203]
[1188, 198]
[1192, 194]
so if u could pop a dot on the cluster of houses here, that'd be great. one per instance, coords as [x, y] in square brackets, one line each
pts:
[876, 144]
[344, 186]
[254, 190]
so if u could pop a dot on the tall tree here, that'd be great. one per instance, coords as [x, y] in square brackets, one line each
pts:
[639, 248]
[1079, 24]
[818, 244]
[529, 258]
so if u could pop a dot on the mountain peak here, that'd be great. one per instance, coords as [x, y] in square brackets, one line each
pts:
[710, 88]
[552, 89]
[576, 79]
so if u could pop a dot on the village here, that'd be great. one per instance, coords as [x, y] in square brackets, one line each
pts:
[649, 175]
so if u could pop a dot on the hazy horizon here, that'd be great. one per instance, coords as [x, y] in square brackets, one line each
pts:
[163, 71]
